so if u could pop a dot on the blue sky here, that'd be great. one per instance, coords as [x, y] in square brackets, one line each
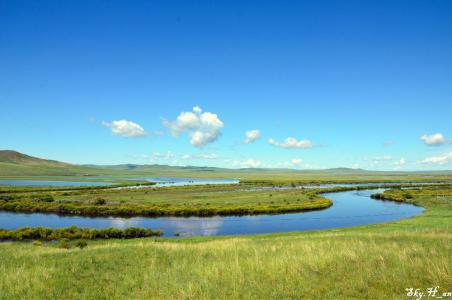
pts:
[353, 83]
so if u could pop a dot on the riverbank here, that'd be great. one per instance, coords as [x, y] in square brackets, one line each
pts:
[179, 201]
[380, 262]
[208, 200]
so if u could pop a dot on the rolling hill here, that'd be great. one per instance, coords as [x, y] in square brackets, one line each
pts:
[15, 164]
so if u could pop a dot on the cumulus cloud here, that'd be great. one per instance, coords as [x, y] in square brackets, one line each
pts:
[251, 136]
[202, 128]
[197, 109]
[441, 159]
[436, 139]
[125, 128]
[251, 163]
[291, 143]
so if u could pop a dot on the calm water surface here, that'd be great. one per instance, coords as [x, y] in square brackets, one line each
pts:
[180, 181]
[349, 208]
[161, 181]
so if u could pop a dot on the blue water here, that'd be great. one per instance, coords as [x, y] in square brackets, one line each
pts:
[180, 181]
[20, 182]
[349, 208]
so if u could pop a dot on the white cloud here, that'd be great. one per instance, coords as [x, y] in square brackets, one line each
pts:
[125, 128]
[158, 155]
[380, 158]
[202, 128]
[438, 159]
[200, 156]
[296, 161]
[197, 109]
[207, 156]
[436, 139]
[251, 136]
[251, 163]
[400, 163]
[291, 143]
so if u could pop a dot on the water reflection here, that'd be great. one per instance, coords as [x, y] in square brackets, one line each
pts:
[195, 226]
[349, 208]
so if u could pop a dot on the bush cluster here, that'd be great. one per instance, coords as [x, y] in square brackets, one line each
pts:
[127, 210]
[75, 233]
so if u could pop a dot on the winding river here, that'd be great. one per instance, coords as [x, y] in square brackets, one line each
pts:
[350, 208]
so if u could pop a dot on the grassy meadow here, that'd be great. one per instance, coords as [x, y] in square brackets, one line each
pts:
[170, 201]
[366, 262]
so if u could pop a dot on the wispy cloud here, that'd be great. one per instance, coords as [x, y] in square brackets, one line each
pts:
[441, 159]
[200, 156]
[296, 161]
[380, 158]
[159, 155]
[399, 163]
[291, 143]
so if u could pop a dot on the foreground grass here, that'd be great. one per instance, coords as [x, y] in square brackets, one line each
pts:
[367, 262]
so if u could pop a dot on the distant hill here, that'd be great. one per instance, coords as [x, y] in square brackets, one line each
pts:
[14, 157]
[13, 163]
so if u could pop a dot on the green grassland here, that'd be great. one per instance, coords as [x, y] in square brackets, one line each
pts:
[209, 200]
[365, 262]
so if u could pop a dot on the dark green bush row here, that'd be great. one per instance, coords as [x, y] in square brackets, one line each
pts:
[127, 210]
[75, 233]
[7, 189]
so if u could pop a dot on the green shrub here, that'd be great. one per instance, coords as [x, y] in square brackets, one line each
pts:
[64, 243]
[81, 244]
[44, 198]
[100, 201]
[74, 233]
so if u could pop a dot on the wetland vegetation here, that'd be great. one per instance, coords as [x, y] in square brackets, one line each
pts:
[73, 233]
[380, 262]
[162, 201]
